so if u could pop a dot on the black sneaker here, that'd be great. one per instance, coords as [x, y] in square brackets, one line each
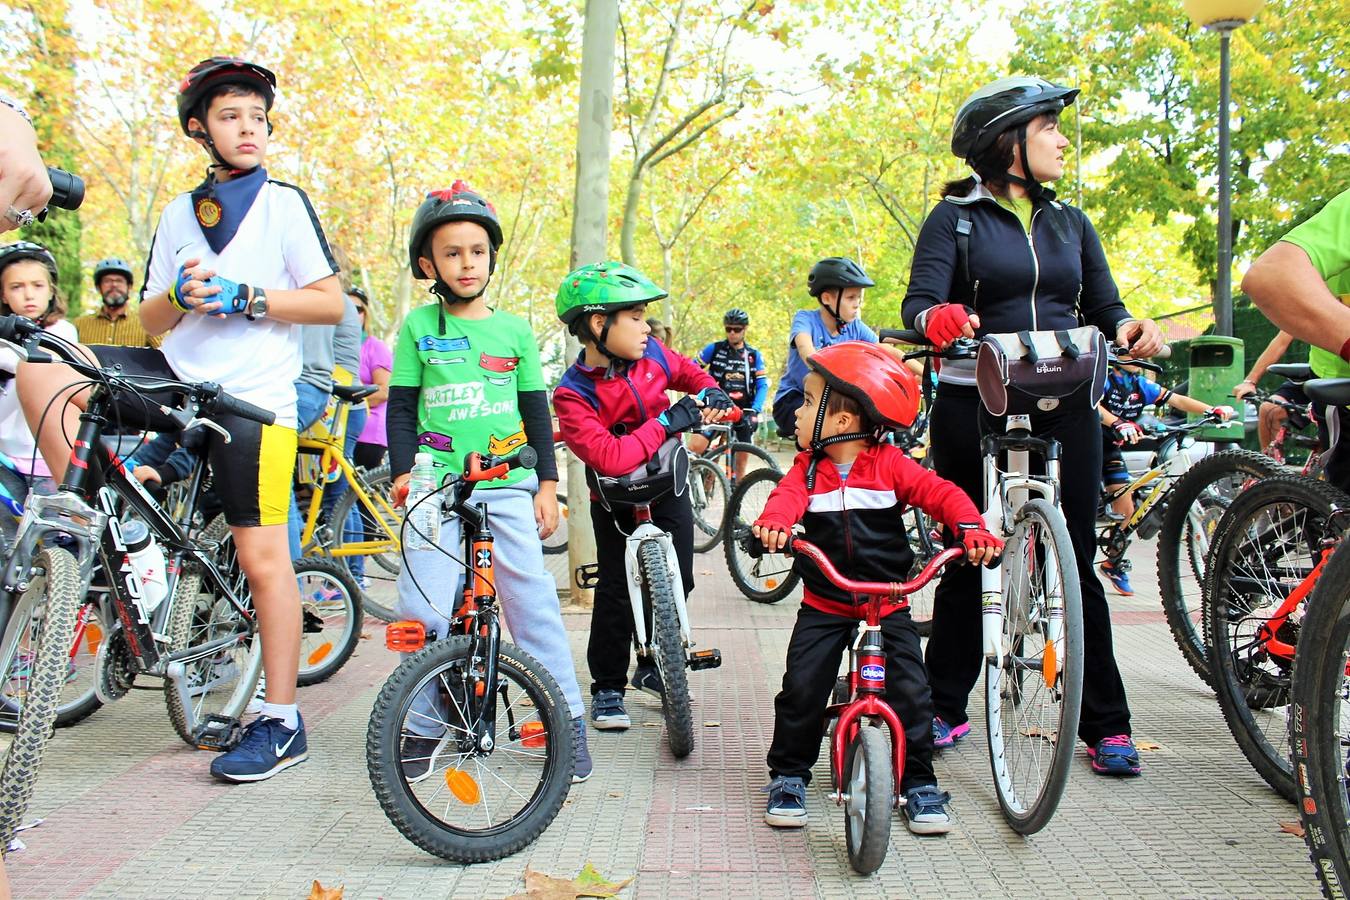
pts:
[583, 766]
[648, 680]
[417, 755]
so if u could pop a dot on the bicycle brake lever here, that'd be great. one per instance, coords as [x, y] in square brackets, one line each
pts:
[208, 423]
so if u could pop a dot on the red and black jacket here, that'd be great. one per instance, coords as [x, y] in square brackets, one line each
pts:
[858, 522]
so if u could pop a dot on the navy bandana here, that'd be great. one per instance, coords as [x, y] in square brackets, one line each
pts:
[221, 207]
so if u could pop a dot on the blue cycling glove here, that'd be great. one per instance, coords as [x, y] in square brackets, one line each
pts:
[714, 398]
[233, 296]
[681, 417]
[176, 292]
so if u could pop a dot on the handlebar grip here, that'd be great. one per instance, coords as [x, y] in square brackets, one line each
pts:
[478, 467]
[233, 406]
[16, 328]
[735, 414]
[67, 189]
[903, 335]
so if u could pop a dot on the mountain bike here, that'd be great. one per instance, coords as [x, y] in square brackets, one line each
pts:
[201, 639]
[469, 747]
[864, 771]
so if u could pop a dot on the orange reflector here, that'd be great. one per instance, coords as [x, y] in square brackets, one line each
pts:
[771, 583]
[479, 688]
[321, 653]
[1049, 666]
[463, 786]
[565, 512]
[405, 637]
[93, 635]
[532, 735]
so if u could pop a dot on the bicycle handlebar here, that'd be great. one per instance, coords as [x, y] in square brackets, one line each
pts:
[966, 348]
[478, 467]
[752, 546]
[206, 396]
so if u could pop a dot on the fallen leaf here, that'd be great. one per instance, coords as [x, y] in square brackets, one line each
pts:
[365, 635]
[319, 892]
[712, 724]
[588, 883]
[698, 809]
[708, 572]
[651, 724]
[1036, 732]
[595, 885]
[616, 793]
[1294, 828]
[1146, 745]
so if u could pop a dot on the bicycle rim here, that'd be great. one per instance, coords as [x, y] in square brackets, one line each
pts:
[708, 493]
[768, 578]
[1032, 698]
[330, 610]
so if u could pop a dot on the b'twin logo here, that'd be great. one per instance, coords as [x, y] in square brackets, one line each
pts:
[1048, 369]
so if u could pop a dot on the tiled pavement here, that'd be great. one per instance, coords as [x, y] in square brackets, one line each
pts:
[130, 812]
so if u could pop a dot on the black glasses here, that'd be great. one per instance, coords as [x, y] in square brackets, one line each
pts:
[361, 310]
[735, 329]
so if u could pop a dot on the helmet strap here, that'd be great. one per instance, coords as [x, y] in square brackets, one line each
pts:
[1033, 187]
[818, 444]
[441, 288]
[220, 162]
[834, 311]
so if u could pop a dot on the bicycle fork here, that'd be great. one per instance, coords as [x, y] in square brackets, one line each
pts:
[867, 682]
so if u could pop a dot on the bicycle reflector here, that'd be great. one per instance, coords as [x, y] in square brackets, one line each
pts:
[532, 735]
[463, 786]
[321, 653]
[405, 637]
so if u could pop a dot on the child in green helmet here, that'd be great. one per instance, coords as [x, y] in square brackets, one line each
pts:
[612, 405]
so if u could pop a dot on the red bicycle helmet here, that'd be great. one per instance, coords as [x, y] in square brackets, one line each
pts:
[881, 384]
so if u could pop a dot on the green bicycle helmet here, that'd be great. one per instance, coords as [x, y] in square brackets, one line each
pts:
[607, 287]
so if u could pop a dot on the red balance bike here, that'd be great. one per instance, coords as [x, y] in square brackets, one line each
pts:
[864, 773]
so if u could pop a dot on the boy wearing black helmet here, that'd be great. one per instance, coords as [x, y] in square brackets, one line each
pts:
[236, 264]
[837, 284]
[114, 323]
[467, 378]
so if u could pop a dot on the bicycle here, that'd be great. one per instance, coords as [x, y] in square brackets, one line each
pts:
[864, 772]
[710, 496]
[662, 631]
[435, 733]
[203, 654]
[1296, 421]
[1033, 615]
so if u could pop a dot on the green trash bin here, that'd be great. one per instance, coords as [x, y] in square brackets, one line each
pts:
[1217, 365]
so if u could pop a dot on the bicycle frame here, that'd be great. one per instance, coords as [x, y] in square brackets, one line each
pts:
[1173, 461]
[379, 509]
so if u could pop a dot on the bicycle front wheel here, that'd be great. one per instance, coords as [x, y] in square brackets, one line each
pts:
[1266, 548]
[378, 589]
[708, 492]
[763, 579]
[79, 697]
[1033, 695]
[869, 798]
[1320, 726]
[667, 648]
[440, 783]
[53, 596]
[331, 616]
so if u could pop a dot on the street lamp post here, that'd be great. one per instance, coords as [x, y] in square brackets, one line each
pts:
[1225, 17]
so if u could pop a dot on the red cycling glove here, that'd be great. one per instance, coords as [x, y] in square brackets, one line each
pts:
[973, 536]
[943, 323]
[1126, 432]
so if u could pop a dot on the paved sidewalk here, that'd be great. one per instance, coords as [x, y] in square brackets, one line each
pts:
[131, 812]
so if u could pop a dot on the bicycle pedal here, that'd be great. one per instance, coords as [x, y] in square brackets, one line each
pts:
[218, 733]
[704, 659]
[588, 576]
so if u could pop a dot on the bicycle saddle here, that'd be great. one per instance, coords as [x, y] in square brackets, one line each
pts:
[1328, 391]
[354, 393]
[1292, 371]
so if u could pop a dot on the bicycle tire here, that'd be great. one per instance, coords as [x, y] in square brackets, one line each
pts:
[389, 563]
[1181, 592]
[557, 542]
[754, 450]
[55, 586]
[867, 819]
[196, 615]
[1028, 809]
[925, 546]
[668, 649]
[320, 659]
[1252, 685]
[765, 579]
[1317, 737]
[398, 797]
[71, 708]
[708, 495]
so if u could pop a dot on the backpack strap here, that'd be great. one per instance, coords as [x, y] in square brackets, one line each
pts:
[963, 226]
[1031, 355]
[1066, 344]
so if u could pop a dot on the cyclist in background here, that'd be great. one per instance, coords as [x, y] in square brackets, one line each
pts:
[739, 371]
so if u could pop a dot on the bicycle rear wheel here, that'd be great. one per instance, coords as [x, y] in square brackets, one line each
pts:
[331, 616]
[557, 541]
[1032, 697]
[768, 578]
[925, 538]
[708, 492]
[378, 592]
[53, 597]
[869, 798]
[667, 648]
[437, 784]
[756, 458]
[1266, 547]
[1194, 507]
[1320, 726]
[221, 682]
[78, 699]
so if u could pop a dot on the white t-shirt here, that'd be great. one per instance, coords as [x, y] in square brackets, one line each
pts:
[279, 246]
[16, 438]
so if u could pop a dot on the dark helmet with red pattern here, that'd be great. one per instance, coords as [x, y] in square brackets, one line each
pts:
[218, 70]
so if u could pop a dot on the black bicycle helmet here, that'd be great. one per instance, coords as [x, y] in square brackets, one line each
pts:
[836, 272]
[458, 203]
[21, 250]
[219, 70]
[1001, 105]
[736, 316]
[113, 265]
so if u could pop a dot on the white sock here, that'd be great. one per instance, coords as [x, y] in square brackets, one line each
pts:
[288, 713]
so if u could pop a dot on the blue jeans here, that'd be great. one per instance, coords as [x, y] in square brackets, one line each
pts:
[309, 406]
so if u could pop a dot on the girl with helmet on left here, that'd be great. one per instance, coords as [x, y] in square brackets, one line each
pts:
[28, 289]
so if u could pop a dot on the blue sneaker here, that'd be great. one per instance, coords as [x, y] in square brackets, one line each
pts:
[582, 766]
[1115, 755]
[926, 810]
[607, 711]
[647, 679]
[945, 735]
[787, 802]
[1119, 578]
[268, 747]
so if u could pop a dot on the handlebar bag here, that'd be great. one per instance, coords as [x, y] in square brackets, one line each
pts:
[666, 471]
[1024, 372]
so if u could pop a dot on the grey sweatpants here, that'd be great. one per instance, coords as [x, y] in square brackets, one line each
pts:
[528, 594]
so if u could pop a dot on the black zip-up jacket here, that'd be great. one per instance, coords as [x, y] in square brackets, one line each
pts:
[1056, 277]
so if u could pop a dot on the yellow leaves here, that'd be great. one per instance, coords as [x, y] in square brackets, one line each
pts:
[588, 883]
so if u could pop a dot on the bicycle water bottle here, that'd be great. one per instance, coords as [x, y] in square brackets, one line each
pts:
[147, 564]
[423, 526]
